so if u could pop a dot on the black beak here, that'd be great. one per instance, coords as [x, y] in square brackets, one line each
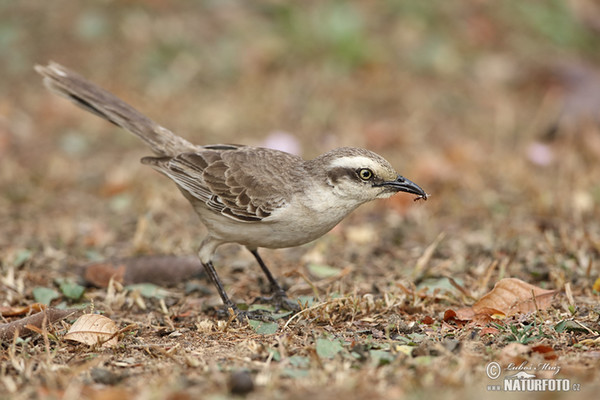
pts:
[401, 184]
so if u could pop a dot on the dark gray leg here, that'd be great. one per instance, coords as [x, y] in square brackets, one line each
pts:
[212, 274]
[279, 298]
[240, 315]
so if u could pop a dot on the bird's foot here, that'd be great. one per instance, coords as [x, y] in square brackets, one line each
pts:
[280, 301]
[257, 315]
[244, 315]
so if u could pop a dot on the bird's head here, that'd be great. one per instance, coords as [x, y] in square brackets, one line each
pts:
[361, 175]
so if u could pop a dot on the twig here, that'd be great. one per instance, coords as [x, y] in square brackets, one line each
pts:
[422, 264]
[311, 308]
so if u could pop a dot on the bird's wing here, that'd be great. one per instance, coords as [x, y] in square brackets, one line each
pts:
[243, 183]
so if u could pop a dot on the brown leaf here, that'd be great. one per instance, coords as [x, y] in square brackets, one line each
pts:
[93, 329]
[489, 311]
[481, 319]
[596, 286]
[512, 296]
[547, 351]
[489, 331]
[450, 315]
[509, 296]
[463, 314]
[100, 274]
[22, 310]
[50, 315]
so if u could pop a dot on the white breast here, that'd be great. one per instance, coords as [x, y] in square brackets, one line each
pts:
[302, 220]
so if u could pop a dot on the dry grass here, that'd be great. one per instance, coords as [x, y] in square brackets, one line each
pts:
[456, 96]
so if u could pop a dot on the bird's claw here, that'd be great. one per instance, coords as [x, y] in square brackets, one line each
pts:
[258, 315]
[244, 315]
[279, 300]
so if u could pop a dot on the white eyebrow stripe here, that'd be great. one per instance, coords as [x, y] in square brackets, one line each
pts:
[354, 162]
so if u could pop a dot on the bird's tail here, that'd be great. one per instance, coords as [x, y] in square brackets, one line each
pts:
[96, 100]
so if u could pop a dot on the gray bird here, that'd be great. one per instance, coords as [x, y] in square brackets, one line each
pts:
[252, 196]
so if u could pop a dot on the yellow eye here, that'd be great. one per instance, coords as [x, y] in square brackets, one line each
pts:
[365, 174]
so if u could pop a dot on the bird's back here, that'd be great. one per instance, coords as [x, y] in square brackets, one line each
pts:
[244, 183]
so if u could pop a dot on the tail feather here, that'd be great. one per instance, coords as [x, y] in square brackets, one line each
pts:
[98, 101]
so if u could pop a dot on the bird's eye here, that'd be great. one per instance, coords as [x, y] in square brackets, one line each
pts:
[365, 174]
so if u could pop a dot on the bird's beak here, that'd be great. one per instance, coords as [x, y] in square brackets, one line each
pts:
[401, 184]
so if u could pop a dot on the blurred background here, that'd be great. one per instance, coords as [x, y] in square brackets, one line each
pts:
[492, 107]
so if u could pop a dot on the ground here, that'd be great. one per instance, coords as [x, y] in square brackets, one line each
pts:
[492, 108]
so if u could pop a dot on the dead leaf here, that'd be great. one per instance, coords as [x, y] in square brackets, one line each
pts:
[590, 342]
[100, 274]
[512, 296]
[23, 325]
[489, 331]
[22, 310]
[509, 296]
[547, 351]
[596, 286]
[93, 329]
[463, 314]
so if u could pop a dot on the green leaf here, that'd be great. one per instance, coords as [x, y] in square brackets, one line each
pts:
[280, 315]
[417, 337]
[381, 357]
[299, 361]
[265, 307]
[263, 328]
[295, 373]
[569, 326]
[307, 301]
[149, 290]
[70, 289]
[22, 256]
[405, 349]
[45, 295]
[322, 271]
[412, 339]
[561, 326]
[93, 255]
[276, 355]
[270, 309]
[327, 348]
[423, 360]
[78, 306]
[431, 284]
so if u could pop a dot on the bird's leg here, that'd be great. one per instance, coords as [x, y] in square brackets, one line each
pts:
[279, 298]
[240, 315]
[212, 274]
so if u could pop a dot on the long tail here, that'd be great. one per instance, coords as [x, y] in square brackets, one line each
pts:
[96, 100]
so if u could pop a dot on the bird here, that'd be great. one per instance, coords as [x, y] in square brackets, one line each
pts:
[253, 196]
